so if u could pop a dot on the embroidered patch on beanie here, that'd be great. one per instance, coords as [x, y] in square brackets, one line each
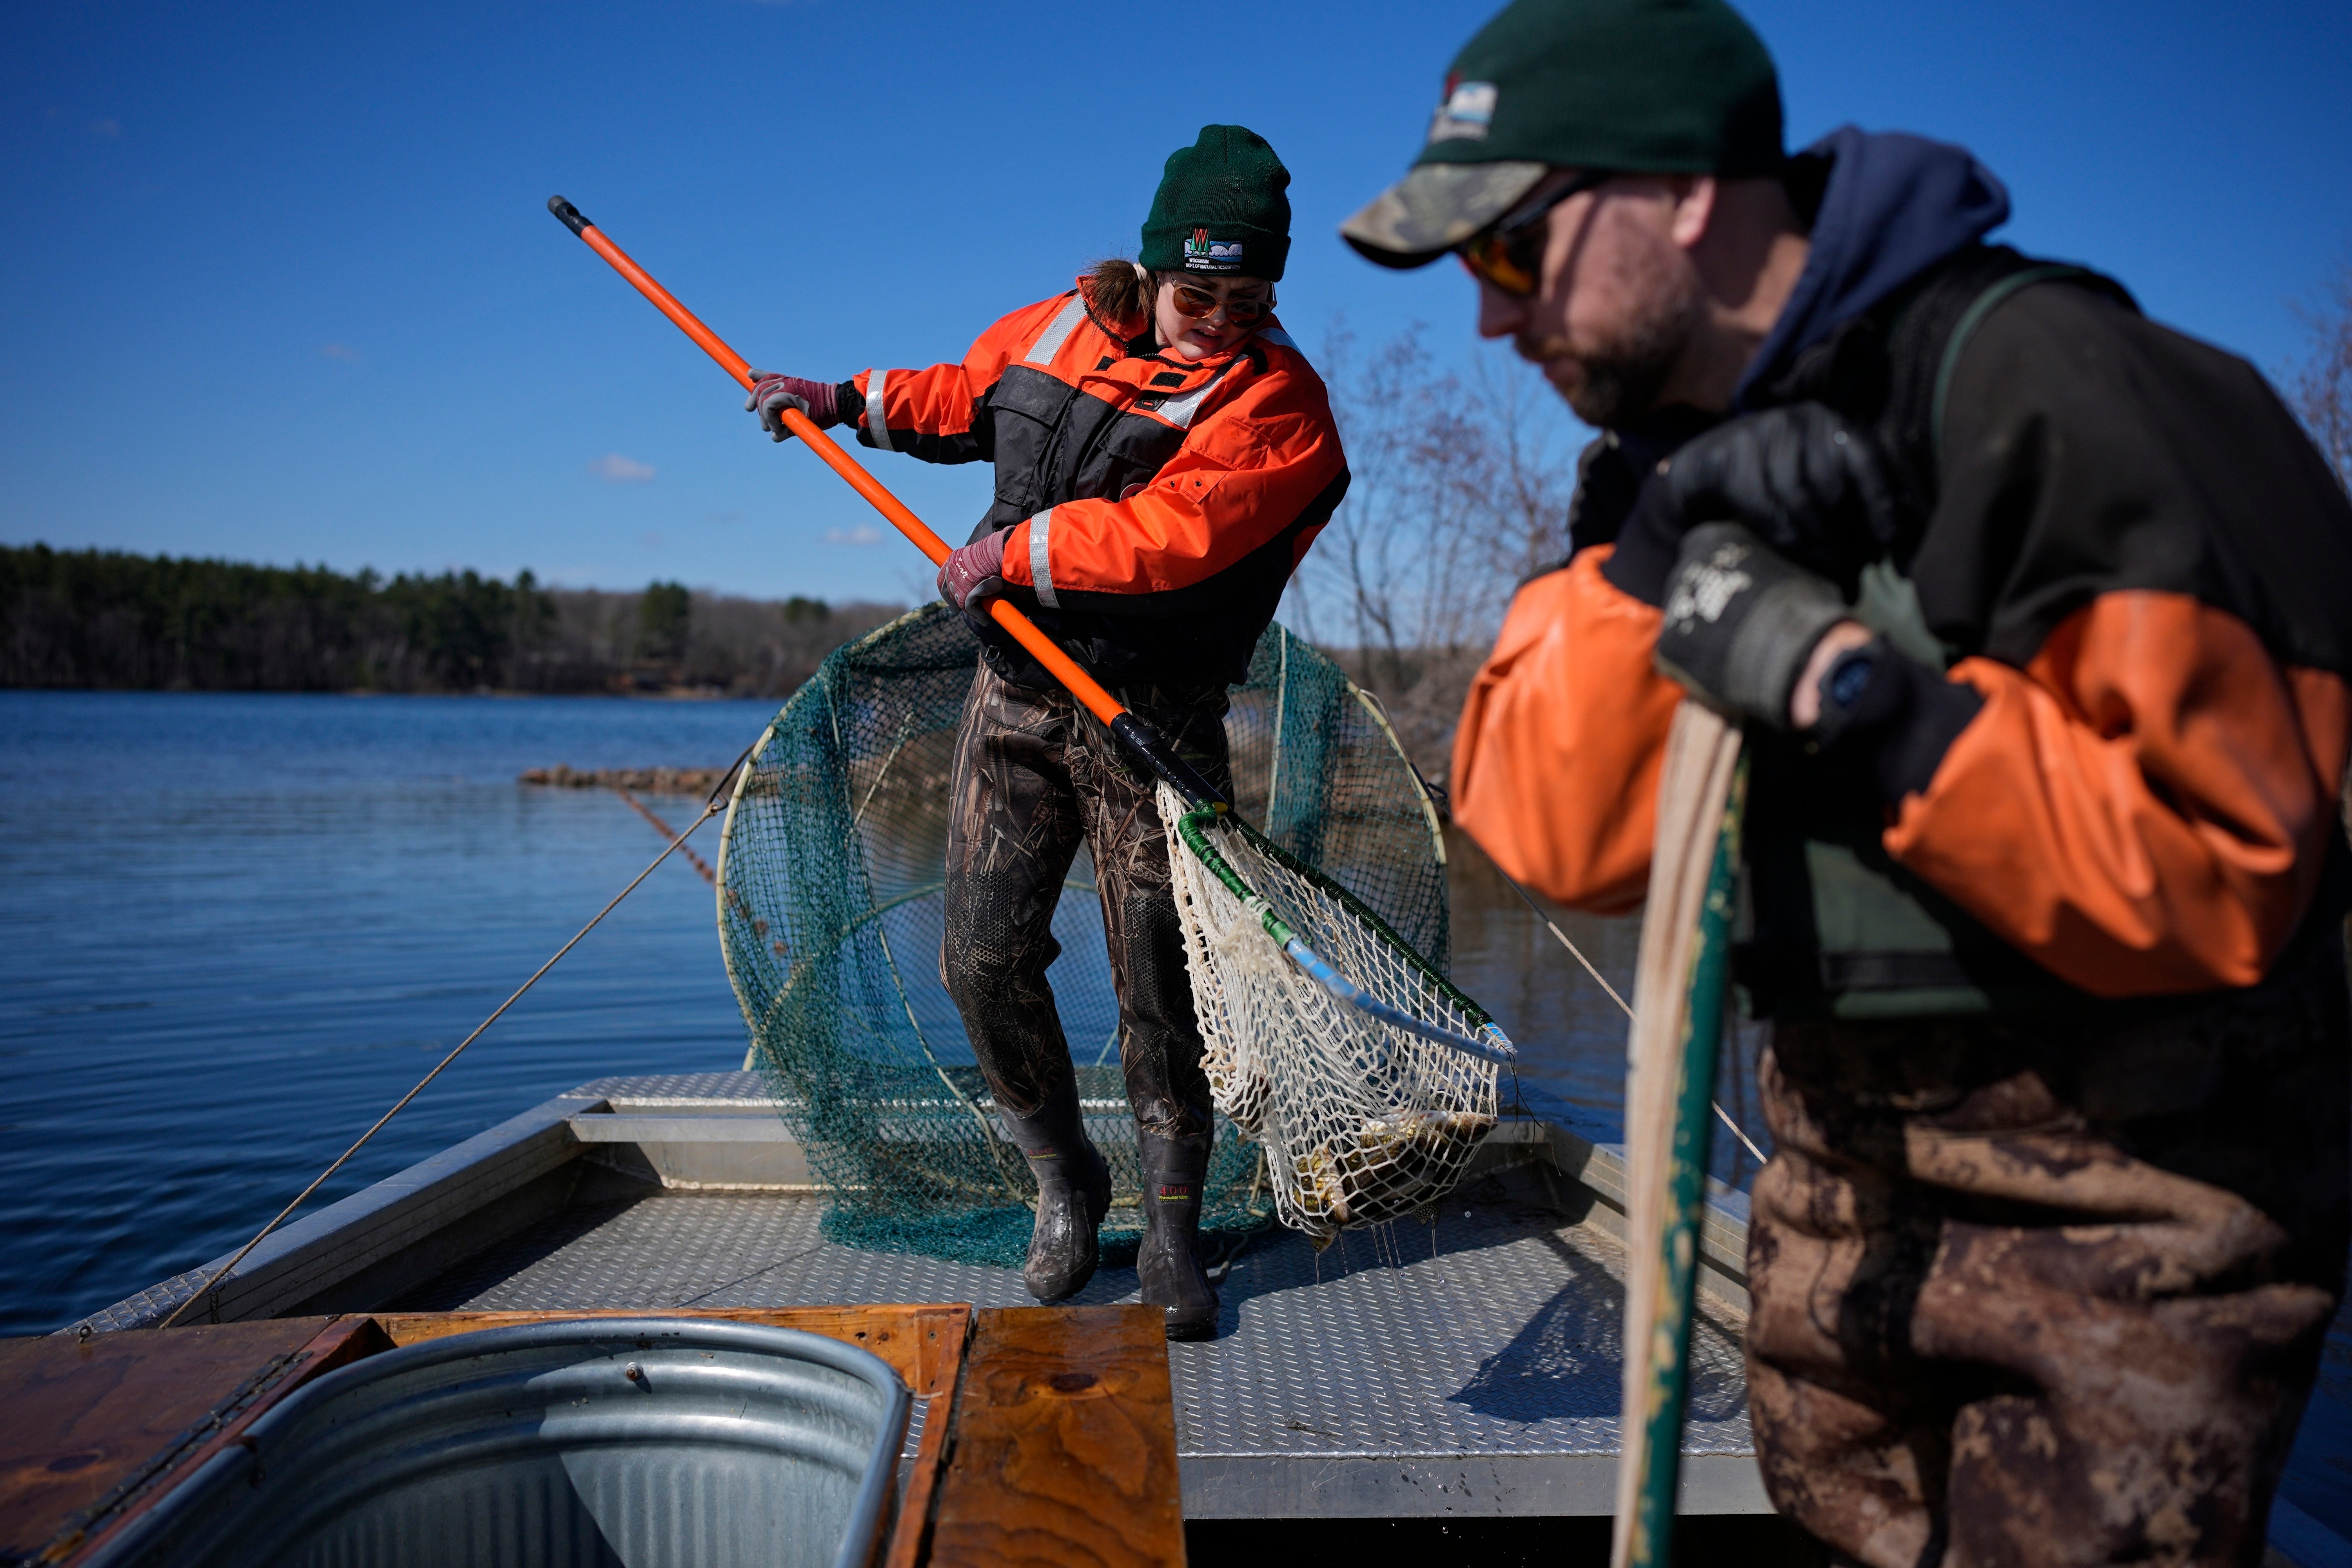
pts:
[1202, 254]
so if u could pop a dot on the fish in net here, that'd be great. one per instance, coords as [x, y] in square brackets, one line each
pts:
[830, 914]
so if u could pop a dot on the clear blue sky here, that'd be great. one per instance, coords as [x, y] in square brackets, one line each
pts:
[278, 282]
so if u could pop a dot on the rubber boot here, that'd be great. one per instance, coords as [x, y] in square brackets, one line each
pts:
[1169, 1262]
[1073, 1196]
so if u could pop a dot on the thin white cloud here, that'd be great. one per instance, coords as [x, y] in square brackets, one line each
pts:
[617, 470]
[863, 536]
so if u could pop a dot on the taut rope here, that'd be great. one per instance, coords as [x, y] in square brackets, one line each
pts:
[710, 808]
[701, 866]
[1536, 910]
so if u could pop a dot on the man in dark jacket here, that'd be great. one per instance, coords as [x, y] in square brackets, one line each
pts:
[2036, 615]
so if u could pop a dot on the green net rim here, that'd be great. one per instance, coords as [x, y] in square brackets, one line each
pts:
[1189, 827]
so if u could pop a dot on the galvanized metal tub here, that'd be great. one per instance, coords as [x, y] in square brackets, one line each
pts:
[648, 1442]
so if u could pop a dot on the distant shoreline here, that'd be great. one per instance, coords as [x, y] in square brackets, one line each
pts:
[109, 620]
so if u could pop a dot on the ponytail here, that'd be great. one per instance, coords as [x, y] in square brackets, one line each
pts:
[1120, 292]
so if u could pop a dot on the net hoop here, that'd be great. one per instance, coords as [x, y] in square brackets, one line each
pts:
[828, 903]
[1368, 1076]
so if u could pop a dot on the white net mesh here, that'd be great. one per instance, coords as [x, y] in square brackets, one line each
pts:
[1361, 1120]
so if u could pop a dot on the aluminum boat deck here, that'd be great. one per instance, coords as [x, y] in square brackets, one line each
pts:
[1452, 1373]
[1465, 1368]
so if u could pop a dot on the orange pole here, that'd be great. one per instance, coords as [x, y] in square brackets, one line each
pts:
[1065, 669]
[689, 323]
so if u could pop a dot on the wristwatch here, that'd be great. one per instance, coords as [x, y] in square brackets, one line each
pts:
[1842, 687]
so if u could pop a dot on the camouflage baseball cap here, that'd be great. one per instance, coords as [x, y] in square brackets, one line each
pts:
[1641, 86]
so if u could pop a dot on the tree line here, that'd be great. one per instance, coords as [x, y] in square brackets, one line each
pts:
[106, 619]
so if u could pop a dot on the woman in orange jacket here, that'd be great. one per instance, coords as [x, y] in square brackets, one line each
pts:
[1164, 455]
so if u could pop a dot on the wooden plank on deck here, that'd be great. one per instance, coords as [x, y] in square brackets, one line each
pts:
[923, 1344]
[99, 1428]
[1065, 1448]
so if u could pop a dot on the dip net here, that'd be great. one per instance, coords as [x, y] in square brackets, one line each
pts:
[1364, 1074]
[830, 914]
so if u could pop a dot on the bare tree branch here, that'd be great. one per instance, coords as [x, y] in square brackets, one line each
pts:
[1460, 492]
[2321, 392]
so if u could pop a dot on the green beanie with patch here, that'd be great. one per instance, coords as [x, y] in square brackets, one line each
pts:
[1221, 207]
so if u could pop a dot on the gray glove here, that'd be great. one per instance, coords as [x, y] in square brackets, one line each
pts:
[771, 394]
[1740, 622]
[974, 574]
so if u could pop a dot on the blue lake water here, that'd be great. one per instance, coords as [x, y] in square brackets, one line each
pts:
[234, 929]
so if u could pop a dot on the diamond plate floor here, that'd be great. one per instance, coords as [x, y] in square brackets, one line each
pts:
[1494, 1333]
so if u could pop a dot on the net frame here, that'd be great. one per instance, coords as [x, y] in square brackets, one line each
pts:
[829, 929]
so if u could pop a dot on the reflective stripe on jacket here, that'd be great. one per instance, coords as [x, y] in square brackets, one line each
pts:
[1157, 506]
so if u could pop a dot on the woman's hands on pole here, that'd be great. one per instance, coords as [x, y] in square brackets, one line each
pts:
[971, 576]
[790, 419]
[771, 394]
[1132, 732]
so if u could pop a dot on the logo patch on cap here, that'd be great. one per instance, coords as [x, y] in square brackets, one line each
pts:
[1467, 113]
[1202, 254]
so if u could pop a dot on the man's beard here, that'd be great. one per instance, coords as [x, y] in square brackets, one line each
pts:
[1622, 378]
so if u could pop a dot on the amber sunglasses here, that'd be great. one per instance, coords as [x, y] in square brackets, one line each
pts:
[1509, 254]
[1194, 303]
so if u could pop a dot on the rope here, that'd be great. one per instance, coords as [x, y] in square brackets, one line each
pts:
[710, 809]
[1536, 910]
[700, 865]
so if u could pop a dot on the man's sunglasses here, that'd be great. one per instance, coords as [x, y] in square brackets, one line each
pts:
[1509, 254]
[1194, 303]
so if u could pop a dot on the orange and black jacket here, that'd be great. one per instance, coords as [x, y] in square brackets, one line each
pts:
[1157, 506]
[2135, 576]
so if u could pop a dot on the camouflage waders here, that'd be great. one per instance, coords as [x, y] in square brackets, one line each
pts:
[2051, 1295]
[1035, 775]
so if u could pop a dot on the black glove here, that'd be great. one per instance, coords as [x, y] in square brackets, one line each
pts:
[1801, 479]
[1611, 472]
[1740, 622]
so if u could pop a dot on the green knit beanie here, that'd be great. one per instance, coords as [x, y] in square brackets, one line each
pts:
[1221, 207]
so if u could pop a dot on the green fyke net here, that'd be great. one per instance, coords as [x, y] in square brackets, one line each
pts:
[831, 915]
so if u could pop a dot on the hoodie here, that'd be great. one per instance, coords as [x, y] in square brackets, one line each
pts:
[1889, 206]
[1885, 207]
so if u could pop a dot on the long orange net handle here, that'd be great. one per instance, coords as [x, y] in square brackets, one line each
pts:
[1065, 669]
